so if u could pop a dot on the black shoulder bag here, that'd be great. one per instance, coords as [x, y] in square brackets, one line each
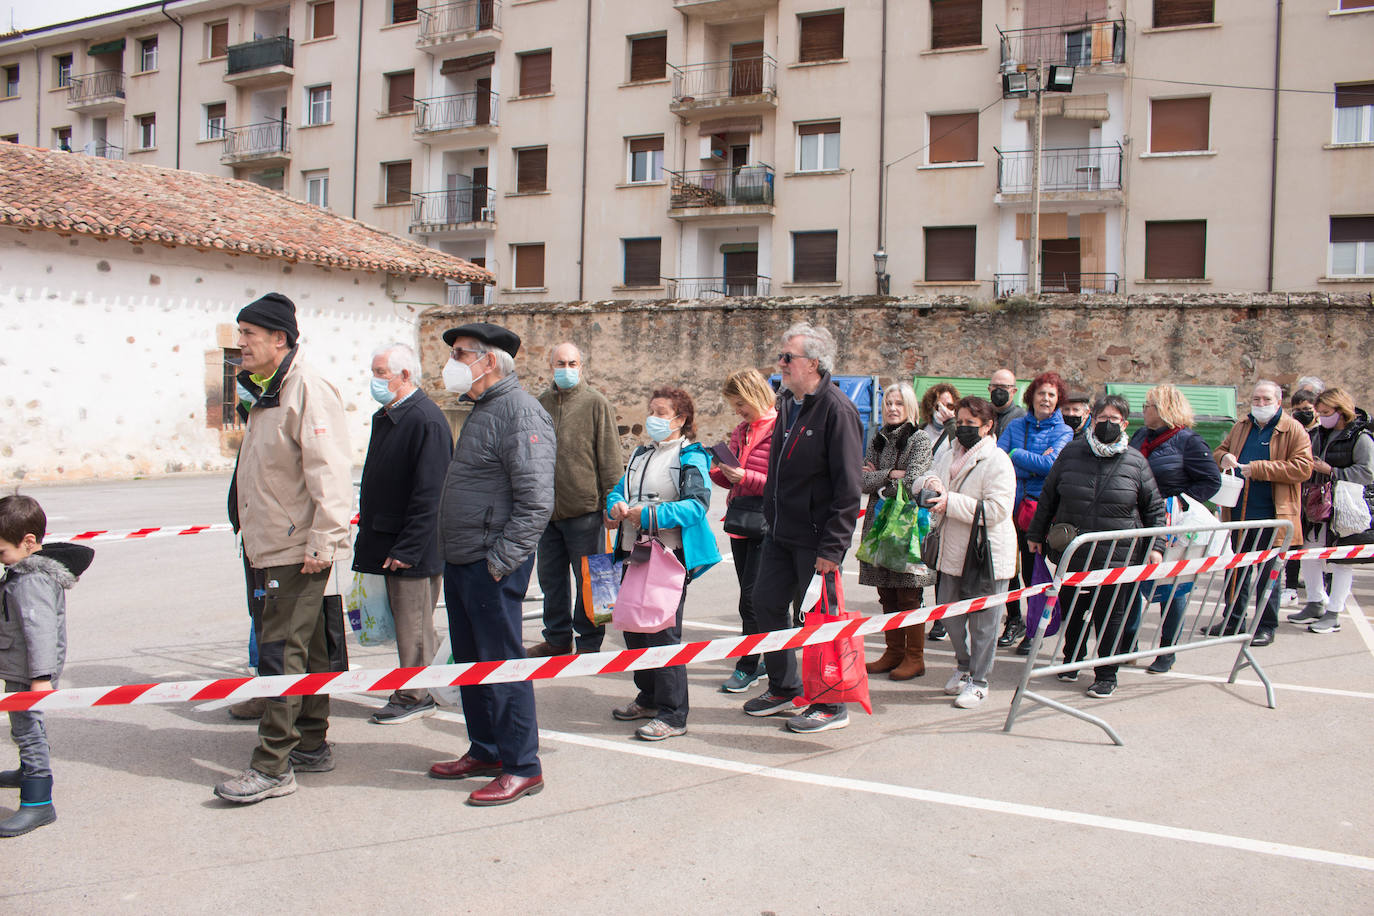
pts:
[976, 577]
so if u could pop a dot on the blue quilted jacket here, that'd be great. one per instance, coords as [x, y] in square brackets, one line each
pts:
[1033, 445]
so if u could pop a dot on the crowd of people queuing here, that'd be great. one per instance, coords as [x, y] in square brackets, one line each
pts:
[543, 477]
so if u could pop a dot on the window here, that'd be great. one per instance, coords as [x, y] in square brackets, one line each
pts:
[648, 58]
[62, 70]
[396, 182]
[400, 91]
[1352, 246]
[11, 81]
[9, 138]
[646, 159]
[953, 138]
[956, 23]
[1176, 250]
[1355, 113]
[404, 11]
[536, 73]
[532, 169]
[951, 252]
[217, 39]
[317, 187]
[641, 261]
[813, 256]
[818, 146]
[214, 120]
[1182, 12]
[322, 19]
[229, 389]
[822, 37]
[318, 104]
[147, 54]
[147, 131]
[1177, 125]
[529, 266]
[1356, 4]
[62, 138]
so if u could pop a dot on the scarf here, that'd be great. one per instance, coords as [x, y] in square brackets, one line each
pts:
[1154, 440]
[1106, 451]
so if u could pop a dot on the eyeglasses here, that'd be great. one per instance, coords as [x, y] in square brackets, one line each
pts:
[788, 357]
[459, 351]
[1003, 387]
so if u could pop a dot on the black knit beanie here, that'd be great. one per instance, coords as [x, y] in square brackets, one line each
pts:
[274, 312]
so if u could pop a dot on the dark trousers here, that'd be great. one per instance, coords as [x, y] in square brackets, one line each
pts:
[291, 640]
[784, 574]
[561, 548]
[1023, 576]
[484, 625]
[1241, 583]
[746, 552]
[1115, 614]
[663, 688]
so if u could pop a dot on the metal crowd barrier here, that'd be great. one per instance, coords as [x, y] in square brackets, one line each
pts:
[1119, 607]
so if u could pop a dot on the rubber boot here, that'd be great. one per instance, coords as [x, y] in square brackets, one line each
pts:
[9, 779]
[35, 807]
[892, 655]
[914, 662]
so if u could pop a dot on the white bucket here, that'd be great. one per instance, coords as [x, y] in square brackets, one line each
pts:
[1229, 494]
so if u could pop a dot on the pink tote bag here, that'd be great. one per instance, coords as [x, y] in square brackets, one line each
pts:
[651, 590]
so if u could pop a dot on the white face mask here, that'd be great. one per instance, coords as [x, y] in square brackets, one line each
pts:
[1263, 415]
[458, 376]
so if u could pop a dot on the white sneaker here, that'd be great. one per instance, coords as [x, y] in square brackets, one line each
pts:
[970, 696]
[1288, 598]
[955, 685]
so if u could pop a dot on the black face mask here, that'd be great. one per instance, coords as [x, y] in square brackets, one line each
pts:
[968, 436]
[1305, 417]
[1072, 421]
[1000, 397]
[1107, 431]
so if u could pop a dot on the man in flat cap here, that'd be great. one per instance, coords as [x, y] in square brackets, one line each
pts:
[497, 498]
[292, 494]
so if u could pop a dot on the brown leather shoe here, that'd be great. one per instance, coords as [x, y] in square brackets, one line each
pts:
[547, 649]
[465, 766]
[249, 709]
[505, 789]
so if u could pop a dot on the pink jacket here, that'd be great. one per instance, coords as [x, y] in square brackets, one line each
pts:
[759, 432]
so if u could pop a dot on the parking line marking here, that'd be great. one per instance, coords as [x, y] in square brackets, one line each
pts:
[1361, 623]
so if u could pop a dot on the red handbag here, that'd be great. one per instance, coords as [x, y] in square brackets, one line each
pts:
[834, 672]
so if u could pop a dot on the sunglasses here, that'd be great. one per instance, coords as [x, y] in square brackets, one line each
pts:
[788, 357]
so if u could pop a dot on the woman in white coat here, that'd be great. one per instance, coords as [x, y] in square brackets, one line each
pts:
[974, 470]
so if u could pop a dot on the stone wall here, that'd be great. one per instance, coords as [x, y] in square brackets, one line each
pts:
[1208, 340]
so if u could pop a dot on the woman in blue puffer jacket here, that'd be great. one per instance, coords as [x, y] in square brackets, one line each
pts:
[1033, 442]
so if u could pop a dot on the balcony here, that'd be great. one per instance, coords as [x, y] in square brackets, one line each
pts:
[716, 287]
[265, 62]
[454, 213]
[267, 143]
[467, 294]
[1081, 44]
[722, 9]
[102, 91]
[1005, 285]
[1084, 173]
[743, 85]
[103, 150]
[724, 191]
[461, 28]
[465, 119]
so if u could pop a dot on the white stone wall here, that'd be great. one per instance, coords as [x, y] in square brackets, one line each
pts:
[104, 370]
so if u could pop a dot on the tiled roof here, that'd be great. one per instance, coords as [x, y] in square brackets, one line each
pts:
[72, 192]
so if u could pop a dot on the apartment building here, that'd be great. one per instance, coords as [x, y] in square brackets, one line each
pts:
[593, 149]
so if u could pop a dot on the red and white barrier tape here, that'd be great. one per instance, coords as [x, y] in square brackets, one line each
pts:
[143, 534]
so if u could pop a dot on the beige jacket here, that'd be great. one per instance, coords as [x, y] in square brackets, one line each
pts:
[987, 475]
[295, 474]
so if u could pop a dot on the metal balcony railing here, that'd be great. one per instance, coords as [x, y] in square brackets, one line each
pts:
[265, 52]
[450, 19]
[104, 150]
[102, 84]
[722, 187]
[716, 287]
[725, 79]
[1079, 44]
[1005, 285]
[258, 139]
[467, 294]
[1089, 168]
[460, 205]
[447, 112]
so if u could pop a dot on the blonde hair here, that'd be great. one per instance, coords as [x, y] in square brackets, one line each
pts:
[752, 388]
[1173, 408]
[908, 395]
[1339, 401]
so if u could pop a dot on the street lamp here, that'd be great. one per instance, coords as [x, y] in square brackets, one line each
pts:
[880, 269]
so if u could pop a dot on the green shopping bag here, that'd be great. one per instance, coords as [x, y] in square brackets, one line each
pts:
[894, 541]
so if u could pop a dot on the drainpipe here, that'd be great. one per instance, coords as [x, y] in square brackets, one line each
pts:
[882, 136]
[357, 110]
[586, 108]
[181, 40]
[38, 96]
[1274, 148]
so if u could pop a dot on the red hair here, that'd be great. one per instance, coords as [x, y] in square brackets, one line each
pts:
[1054, 380]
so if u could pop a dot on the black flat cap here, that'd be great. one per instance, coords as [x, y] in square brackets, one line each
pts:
[493, 335]
[1078, 397]
[274, 312]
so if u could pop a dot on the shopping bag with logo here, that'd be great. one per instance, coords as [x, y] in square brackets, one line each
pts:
[600, 584]
[369, 610]
[652, 588]
[894, 541]
[1351, 510]
[834, 672]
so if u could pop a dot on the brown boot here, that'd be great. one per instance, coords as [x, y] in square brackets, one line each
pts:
[914, 663]
[892, 655]
[249, 709]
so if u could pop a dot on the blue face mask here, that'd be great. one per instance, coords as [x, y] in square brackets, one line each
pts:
[380, 392]
[245, 395]
[658, 428]
[566, 376]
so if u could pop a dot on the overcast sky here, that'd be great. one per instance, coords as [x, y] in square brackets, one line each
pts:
[28, 14]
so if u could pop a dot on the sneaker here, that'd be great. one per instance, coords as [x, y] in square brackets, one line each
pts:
[1101, 688]
[320, 760]
[1330, 622]
[740, 681]
[395, 713]
[657, 730]
[768, 703]
[970, 696]
[937, 631]
[1067, 675]
[819, 717]
[252, 786]
[1013, 631]
[632, 711]
[955, 685]
[1024, 646]
[1311, 612]
[1288, 597]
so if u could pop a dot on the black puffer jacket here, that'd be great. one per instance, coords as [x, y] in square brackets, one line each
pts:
[1126, 498]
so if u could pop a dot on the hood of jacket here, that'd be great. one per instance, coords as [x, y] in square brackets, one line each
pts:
[62, 561]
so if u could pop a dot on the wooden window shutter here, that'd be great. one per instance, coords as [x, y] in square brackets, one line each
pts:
[1356, 95]
[646, 144]
[954, 137]
[1179, 124]
[823, 127]
[400, 91]
[323, 25]
[529, 266]
[398, 182]
[642, 257]
[951, 252]
[648, 58]
[1176, 250]
[1356, 4]
[219, 39]
[532, 169]
[1352, 228]
[404, 10]
[536, 73]
[217, 110]
[822, 37]
[1182, 12]
[956, 23]
[813, 256]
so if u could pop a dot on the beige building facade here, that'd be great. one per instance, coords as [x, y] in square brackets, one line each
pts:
[648, 149]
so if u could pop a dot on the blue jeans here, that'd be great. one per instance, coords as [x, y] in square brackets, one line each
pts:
[1174, 600]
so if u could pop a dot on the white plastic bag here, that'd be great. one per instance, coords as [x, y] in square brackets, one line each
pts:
[1349, 511]
[445, 696]
[369, 610]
